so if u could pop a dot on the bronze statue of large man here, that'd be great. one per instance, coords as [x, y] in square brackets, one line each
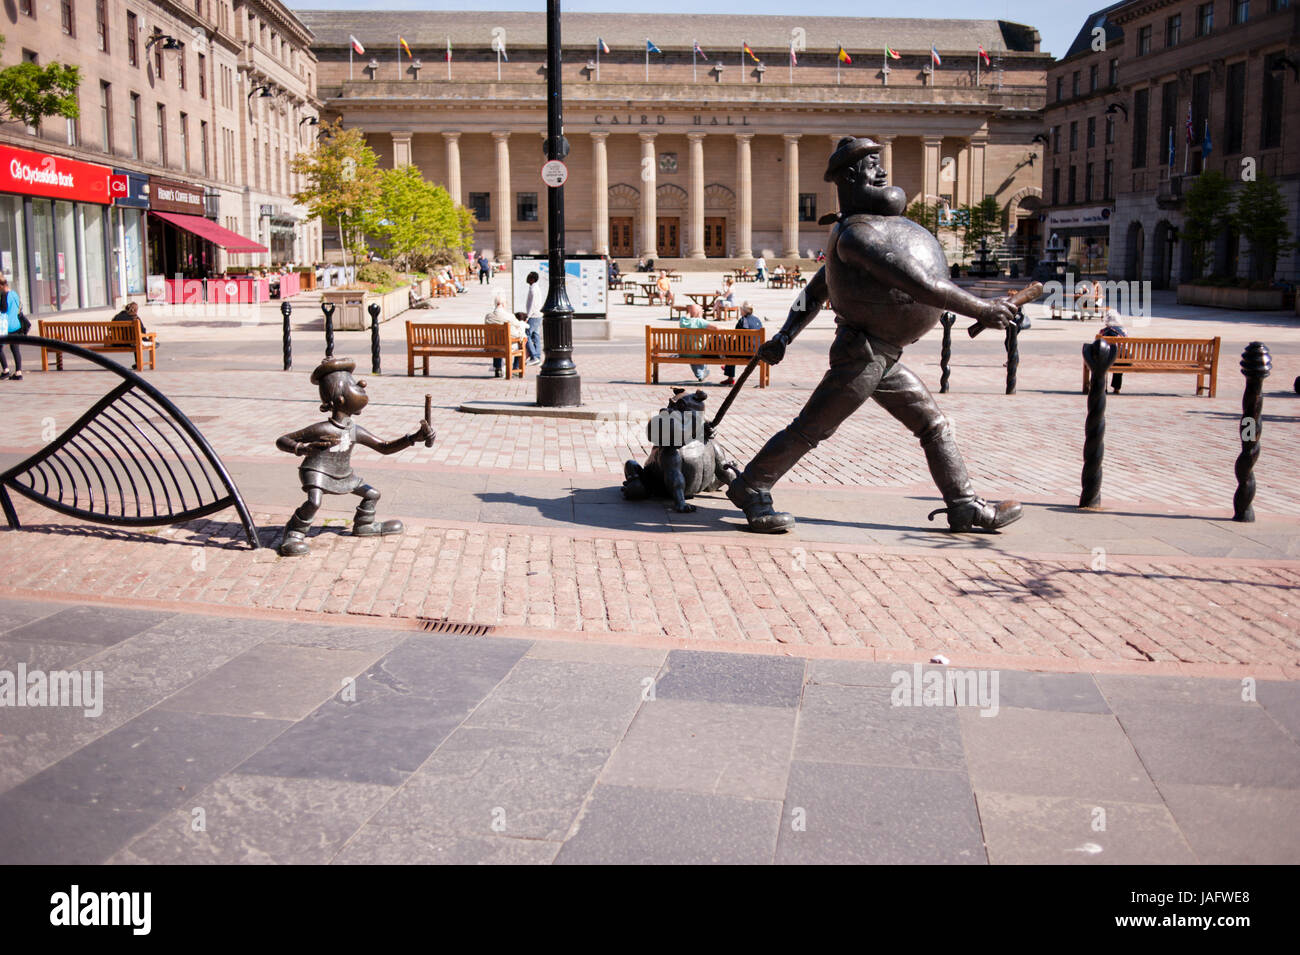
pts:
[887, 279]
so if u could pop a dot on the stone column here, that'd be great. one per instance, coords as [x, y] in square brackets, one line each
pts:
[961, 188]
[599, 194]
[695, 247]
[744, 198]
[503, 211]
[977, 156]
[834, 205]
[930, 168]
[790, 230]
[401, 148]
[887, 156]
[649, 209]
[453, 166]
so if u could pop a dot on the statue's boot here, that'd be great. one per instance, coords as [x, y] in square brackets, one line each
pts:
[966, 511]
[365, 525]
[757, 505]
[294, 543]
[977, 513]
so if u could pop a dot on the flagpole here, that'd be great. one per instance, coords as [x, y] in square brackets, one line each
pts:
[647, 59]
[349, 60]
[598, 60]
[742, 61]
[694, 76]
[449, 61]
[399, 59]
[977, 69]
[498, 64]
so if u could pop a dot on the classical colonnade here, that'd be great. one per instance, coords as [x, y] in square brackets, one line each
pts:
[965, 169]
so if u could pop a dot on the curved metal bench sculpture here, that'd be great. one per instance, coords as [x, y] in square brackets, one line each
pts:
[133, 459]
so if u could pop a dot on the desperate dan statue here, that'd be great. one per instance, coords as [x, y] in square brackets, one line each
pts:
[326, 447]
[887, 279]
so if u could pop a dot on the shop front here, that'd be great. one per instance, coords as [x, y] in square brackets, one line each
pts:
[128, 230]
[183, 246]
[1086, 235]
[55, 218]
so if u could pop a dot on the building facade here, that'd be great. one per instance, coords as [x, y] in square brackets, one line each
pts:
[1213, 84]
[1083, 133]
[166, 119]
[678, 154]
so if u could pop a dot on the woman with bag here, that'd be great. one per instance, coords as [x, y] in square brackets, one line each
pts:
[15, 322]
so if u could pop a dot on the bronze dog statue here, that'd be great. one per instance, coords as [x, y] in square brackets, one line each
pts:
[684, 462]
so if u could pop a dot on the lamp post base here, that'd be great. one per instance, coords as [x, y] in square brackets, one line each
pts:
[559, 391]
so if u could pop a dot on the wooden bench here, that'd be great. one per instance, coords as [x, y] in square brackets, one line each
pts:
[426, 341]
[99, 336]
[1169, 356]
[700, 346]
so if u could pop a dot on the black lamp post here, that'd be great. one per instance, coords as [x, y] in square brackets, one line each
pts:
[558, 383]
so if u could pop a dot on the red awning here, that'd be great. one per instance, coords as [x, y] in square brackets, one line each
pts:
[207, 229]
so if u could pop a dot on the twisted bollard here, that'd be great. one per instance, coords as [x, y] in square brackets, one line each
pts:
[328, 309]
[945, 352]
[1013, 354]
[1100, 355]
[285, 310]
[373, 309]
[1256, 364]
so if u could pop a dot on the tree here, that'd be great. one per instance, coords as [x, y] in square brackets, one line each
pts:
[1207, 211]
[983, 220]
[414, 217]
[343, 184]
[29, 93]
[1260, 217]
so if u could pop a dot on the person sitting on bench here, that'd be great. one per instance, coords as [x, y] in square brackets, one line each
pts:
[747, 320]
[416, 299]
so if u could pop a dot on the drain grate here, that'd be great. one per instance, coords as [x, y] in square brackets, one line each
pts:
[443, 625]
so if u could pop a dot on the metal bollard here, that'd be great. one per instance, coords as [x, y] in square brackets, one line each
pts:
[1012, 345]
[1256, 364]
[285, 310]
[1099, 355]
[328, 309]
[945, 351]
[373, 309]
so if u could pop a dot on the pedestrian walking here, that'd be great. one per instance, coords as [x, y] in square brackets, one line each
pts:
[533, 315]
[15, 322]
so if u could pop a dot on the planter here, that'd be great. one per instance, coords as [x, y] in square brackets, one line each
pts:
[351, 306]
[308, 279]
[1242, 299]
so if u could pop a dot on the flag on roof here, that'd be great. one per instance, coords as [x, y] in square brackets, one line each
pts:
[356, 44]
[650, 47]
[698, 52]
[987, 61]
[843, 56]
[934, 55]
[448, 49]
[891, 52]
[752, 55]
[601, 44]
[794, 60]
[401, 41]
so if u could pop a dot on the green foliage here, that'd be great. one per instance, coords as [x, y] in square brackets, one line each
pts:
[979, 221]
[414, 218]
[377, 273]
[1207, 211]
[29, 92]
[1260, 217]
[343, 183]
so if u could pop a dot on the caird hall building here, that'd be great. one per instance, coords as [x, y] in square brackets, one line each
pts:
[694, 148]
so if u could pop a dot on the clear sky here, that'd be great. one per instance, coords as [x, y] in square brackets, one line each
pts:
[1057, 22]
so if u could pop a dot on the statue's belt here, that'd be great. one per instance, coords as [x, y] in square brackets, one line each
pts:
[878, 345]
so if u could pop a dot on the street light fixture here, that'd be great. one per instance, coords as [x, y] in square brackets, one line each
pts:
[1114, 108]
[169, 43]
[266, 91]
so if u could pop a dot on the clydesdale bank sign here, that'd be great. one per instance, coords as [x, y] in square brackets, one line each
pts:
[37, 174]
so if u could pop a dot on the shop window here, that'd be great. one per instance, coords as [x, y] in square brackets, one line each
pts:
[807, 207]
[13, 247]
[480, 203]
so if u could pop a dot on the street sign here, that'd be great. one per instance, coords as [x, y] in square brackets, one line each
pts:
[555, 173]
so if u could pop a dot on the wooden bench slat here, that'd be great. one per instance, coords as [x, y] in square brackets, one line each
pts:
[103, 336]
[701, 346]
[425, 341]
[1195, 356]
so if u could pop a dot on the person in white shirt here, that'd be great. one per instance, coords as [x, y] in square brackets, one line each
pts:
[500, 315]
[760, 266]
[533, 313]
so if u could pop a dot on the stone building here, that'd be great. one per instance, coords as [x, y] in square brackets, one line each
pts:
[678, 154]
[1203, 84]
[171, 167]
[1082, 142]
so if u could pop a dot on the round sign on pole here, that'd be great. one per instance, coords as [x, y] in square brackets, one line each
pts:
[555, 173]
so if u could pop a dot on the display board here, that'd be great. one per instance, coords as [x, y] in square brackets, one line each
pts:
[587, 282]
